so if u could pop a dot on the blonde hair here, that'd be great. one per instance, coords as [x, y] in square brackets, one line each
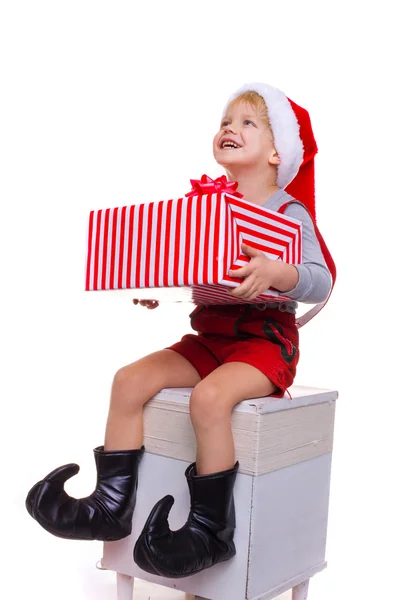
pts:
[257, 102]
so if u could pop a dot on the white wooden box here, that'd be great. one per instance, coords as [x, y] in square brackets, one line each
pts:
[284, 447]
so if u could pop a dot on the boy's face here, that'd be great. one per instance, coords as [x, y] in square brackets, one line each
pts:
[244, 140]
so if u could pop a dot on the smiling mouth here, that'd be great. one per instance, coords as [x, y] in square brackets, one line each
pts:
[228, 145]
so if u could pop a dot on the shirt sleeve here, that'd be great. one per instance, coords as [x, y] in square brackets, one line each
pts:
[315, 280]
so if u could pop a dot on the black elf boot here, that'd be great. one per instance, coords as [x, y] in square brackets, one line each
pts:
[104, 515]
[204, 540]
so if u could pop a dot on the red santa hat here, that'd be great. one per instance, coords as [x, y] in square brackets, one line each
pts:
[294, 142]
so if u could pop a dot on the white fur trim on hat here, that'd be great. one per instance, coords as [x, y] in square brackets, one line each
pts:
[285, 129]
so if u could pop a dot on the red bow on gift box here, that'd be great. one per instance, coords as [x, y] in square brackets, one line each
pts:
[206, 185]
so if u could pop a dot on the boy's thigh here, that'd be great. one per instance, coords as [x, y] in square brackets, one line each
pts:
[235, 381]
[276, 360]
[165, 369]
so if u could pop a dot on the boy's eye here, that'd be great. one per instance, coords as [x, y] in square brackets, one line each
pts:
[246, 122]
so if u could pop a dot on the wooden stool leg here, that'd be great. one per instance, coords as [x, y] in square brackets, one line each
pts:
[300, 592]
[124, 587]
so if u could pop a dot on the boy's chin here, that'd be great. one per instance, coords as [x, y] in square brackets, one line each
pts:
[228, 161]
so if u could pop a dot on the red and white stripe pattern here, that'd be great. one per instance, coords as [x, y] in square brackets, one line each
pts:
[186, 242]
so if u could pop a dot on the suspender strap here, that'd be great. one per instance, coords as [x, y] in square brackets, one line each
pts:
[329, 262]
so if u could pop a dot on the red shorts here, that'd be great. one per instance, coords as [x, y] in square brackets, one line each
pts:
[266, 339]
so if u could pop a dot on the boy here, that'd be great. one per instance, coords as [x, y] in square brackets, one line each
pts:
[239, 352]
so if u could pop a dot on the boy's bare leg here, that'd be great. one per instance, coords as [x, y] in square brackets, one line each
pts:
[107, 513]
[211, 406]
[207, 536]
[134, 385]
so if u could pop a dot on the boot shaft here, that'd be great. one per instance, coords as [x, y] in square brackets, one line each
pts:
[116, 463]
[117, 476]
[212, 500]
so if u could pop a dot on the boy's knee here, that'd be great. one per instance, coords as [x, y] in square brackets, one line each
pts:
[124, 376]
[208, 404]
[128, 386]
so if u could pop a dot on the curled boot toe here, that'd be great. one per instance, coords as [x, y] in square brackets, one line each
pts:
[207, 536]
[105, 515]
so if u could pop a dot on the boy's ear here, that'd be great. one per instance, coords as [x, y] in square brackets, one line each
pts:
[274, 158]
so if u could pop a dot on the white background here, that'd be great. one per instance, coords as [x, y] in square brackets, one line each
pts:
[111, 103]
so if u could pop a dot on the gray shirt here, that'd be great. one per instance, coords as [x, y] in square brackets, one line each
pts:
[315, 279]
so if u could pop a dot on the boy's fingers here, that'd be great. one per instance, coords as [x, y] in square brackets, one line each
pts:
[242, 289]
[242, 272]
[253, 293]
[250, 251]
[147, 303]
[150, 303]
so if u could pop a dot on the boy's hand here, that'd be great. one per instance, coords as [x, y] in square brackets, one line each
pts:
[259, 274]
[150, 304]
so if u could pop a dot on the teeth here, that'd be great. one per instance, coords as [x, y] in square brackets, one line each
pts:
[229, 145]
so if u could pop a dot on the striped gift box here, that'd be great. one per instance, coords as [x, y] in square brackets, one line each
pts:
[185, 247]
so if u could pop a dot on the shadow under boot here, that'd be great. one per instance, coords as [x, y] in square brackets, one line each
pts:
[105, 515]
[206, 538]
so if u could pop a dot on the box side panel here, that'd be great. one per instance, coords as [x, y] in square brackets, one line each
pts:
[289, 524]
[160, 476]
